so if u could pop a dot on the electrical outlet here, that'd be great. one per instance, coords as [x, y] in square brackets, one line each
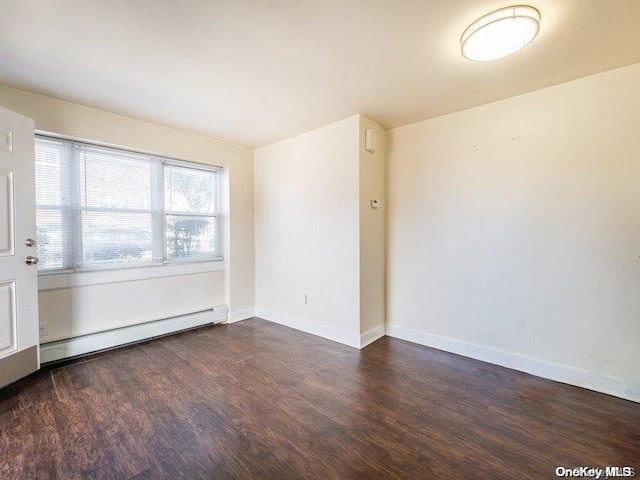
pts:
[43, 329]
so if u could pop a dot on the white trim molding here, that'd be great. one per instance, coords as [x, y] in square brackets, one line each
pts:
[323, 331]
[540, 368]
[56, 281]
[72, 347]
[372, 335]
[239, 315]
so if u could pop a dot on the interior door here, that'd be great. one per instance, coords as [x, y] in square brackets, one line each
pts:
[19, 350]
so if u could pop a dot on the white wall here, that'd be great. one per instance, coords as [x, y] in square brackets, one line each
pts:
[514, 232]
[317, 235]
[70, 312]
[76, 311]
[306, 194]
[372, 229]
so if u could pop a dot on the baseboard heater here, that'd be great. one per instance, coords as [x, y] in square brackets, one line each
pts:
[106, 340]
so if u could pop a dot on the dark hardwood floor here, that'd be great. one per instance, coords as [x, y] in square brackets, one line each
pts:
[258, 400]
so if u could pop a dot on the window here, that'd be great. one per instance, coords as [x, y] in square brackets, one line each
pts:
[191, 204]
[99, 207]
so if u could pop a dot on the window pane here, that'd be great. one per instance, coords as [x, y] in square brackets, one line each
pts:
[52, 163]
[109, 237]
[113, 180]
[48, 173]
[98, 205]
[189, 190]
[191, 237]
[50, 246]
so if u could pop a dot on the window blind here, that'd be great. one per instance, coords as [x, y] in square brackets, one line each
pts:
[116, 208]
[54, 207]
[100, 207]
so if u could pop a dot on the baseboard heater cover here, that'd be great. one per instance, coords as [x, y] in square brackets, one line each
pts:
[76, 346]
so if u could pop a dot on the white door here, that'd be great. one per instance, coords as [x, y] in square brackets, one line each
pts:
[19, 354]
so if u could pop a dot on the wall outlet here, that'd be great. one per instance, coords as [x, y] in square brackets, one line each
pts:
[43, 329]
[305, 300]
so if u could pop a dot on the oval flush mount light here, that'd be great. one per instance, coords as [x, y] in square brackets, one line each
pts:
[500, 33]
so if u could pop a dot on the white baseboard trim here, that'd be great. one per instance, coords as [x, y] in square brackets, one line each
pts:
[540, 368]
[72, 347]
[241, 315]
[372, 335]
[323, 331]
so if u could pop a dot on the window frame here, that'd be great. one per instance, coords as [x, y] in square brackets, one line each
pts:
[72, 210]
[216, 215]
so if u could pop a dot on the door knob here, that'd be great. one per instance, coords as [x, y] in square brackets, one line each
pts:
[30, 242]
[31, 260]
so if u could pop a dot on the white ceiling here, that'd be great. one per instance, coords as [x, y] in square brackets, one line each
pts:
[257, 71]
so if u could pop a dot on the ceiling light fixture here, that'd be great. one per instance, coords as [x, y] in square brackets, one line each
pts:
[500, 33]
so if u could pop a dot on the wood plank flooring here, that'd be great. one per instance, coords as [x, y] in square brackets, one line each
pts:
[258, 400]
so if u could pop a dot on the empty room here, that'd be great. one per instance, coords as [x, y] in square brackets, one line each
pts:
[329, 239]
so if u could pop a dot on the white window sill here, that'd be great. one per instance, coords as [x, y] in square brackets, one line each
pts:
[56, 281]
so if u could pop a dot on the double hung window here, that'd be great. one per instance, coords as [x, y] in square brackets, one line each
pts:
[99, 207]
